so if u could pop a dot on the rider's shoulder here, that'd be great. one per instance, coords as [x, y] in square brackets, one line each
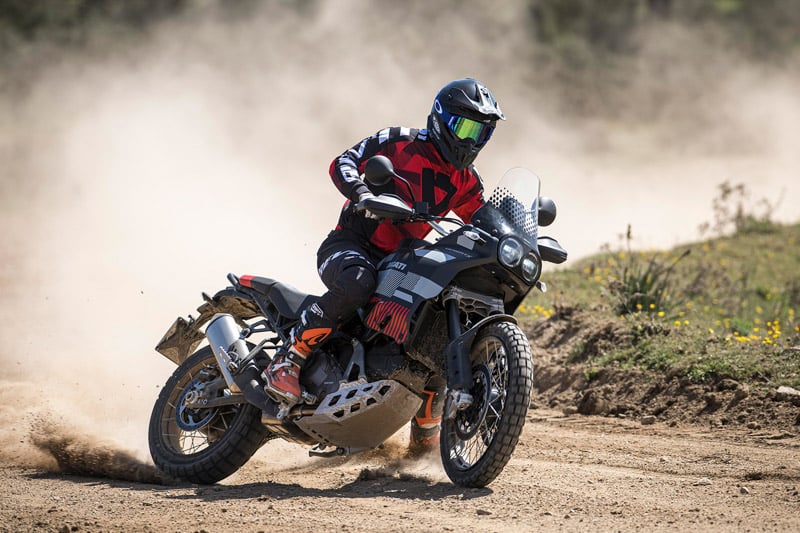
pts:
[397, 133]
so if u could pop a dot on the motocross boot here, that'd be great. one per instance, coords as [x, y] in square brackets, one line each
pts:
[282, 375]
[425, 425]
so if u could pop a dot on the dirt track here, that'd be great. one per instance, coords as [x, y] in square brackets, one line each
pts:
[569, 473]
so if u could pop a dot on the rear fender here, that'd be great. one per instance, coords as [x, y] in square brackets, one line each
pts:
[184, 336]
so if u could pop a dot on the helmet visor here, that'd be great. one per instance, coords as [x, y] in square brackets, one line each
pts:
[465, 128]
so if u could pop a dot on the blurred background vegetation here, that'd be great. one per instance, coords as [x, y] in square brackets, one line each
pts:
[576, 31]
[588, 51]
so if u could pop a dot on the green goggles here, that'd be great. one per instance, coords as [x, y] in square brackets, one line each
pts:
[465, 128]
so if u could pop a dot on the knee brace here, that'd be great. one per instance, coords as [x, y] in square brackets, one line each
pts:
[351, 290]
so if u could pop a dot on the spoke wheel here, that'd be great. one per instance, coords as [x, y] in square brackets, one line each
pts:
[197, 444]
[478, 442]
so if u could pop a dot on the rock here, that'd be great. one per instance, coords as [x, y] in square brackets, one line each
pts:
[592, 403]
[648, 420]
[727, 384]
[569, 410]
[702, 482]
[744, 490]
[788, 394]
[483, 512]
[712, 402]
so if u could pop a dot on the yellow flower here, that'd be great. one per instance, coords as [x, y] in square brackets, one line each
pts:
[677, 323]
[661, 313]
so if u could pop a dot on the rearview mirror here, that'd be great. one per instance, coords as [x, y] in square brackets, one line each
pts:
[379, 170]
[547, 211]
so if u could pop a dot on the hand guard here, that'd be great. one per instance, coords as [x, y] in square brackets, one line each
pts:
[361, 209]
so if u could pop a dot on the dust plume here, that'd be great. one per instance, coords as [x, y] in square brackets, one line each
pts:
[82, 455]
[137, 174]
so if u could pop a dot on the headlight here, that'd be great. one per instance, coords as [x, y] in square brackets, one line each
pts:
[510, 252]
[531, 267]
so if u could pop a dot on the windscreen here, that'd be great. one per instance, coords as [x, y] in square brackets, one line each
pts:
[517, 198]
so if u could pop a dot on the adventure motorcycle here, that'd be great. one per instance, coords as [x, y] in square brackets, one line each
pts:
[441, 309]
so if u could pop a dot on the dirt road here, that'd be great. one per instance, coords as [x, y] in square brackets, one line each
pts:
[568, 474]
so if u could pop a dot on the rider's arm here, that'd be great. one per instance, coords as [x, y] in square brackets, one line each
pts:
[346, 169]
[470, 197]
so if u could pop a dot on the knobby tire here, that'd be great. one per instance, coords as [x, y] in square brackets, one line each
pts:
[237, 431]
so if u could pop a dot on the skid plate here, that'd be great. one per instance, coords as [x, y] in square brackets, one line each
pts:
[361, 415]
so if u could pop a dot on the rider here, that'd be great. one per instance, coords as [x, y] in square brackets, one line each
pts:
[437, 162]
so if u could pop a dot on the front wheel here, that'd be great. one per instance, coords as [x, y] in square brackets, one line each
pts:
[478, 442]
[196, 444]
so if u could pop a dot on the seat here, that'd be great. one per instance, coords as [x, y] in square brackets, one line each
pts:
[289, 301]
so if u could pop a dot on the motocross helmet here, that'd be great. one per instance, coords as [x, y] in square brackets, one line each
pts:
[462, 120]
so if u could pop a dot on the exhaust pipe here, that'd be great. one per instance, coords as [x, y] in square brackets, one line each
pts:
[225, 339]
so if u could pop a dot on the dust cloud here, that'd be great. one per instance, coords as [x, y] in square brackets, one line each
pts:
[134, 176]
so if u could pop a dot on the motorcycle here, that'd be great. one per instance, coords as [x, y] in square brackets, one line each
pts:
[441, 310]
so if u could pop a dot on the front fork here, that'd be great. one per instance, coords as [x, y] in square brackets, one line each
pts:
[457, 357]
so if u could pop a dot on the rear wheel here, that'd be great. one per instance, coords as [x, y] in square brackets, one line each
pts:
[478, 442]
[202, 445]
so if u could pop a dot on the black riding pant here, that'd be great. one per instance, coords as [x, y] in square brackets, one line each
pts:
[347, 268]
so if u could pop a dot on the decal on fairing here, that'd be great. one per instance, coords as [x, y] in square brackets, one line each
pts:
[421, 286]
[465, 242]
[397, 294]
[434, 256]
[395, 284]
[388, 282]
[391, 319]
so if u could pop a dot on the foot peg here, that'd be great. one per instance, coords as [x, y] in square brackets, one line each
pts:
[308, 398]
[283, 411]
[320, 451]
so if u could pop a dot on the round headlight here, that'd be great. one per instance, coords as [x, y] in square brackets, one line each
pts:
[510, 252]
[531, 267]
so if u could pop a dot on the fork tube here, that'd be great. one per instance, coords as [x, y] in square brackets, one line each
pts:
[459, 369]
[453, 319]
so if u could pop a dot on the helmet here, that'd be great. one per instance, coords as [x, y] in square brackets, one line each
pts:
[462, 120]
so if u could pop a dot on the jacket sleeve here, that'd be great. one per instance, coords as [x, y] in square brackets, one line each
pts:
[345, 170]
[472, 197]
